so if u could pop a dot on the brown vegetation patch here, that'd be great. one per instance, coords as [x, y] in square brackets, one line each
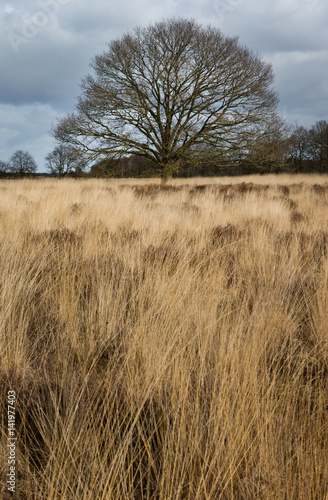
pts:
[284, 190]
[229, 191]
[221, 235]
[109, 191]
[202, 188]
[313, 246]
[249, 187]
[161, 256]
[124, 234]
[319, 189]
[296, 188]
[296, 217]
[292, 205]
[61, 236]
[155, 189]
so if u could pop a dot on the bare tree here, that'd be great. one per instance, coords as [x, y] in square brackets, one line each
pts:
[317, 146]
[63, 160]
[299, 147]
[22, 163]
[164, 91]
[272, 149]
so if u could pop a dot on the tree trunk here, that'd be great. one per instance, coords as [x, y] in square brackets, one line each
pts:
[168, 169]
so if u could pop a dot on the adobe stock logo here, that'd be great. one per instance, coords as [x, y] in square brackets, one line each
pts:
[32, 24]
[222, 7]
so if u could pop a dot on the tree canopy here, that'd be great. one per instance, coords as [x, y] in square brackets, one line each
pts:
[172, 92]
[22, 162]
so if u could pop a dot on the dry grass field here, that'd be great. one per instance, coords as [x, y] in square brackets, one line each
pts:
[165, 342]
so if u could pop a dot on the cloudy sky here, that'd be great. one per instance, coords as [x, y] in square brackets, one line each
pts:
[46, 47]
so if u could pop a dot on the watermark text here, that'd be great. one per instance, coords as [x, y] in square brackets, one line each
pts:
[222, 7]
[11, 441]
[32, 24]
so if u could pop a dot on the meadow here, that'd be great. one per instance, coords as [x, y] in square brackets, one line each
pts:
[165, 342]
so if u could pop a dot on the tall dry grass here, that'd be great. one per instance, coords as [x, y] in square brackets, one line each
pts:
[166, 342]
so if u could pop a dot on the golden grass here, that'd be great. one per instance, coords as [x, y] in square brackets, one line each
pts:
[166, 342]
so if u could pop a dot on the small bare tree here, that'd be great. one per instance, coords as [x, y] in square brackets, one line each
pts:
[63, 160]
[299, 148]
[170, 92]
[22, 163]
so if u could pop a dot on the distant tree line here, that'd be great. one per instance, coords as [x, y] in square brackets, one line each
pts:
[309, 148]
[62, 161]
[299, 151]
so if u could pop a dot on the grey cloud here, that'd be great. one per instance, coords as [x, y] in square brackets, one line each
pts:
[26, 127]
[44, 73]
[293, 36]
[48, 66]
[301, 78]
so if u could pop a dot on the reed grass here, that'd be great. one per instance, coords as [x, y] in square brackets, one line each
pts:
[166, 342]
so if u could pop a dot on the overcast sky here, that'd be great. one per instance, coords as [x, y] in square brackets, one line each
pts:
[46, 47]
